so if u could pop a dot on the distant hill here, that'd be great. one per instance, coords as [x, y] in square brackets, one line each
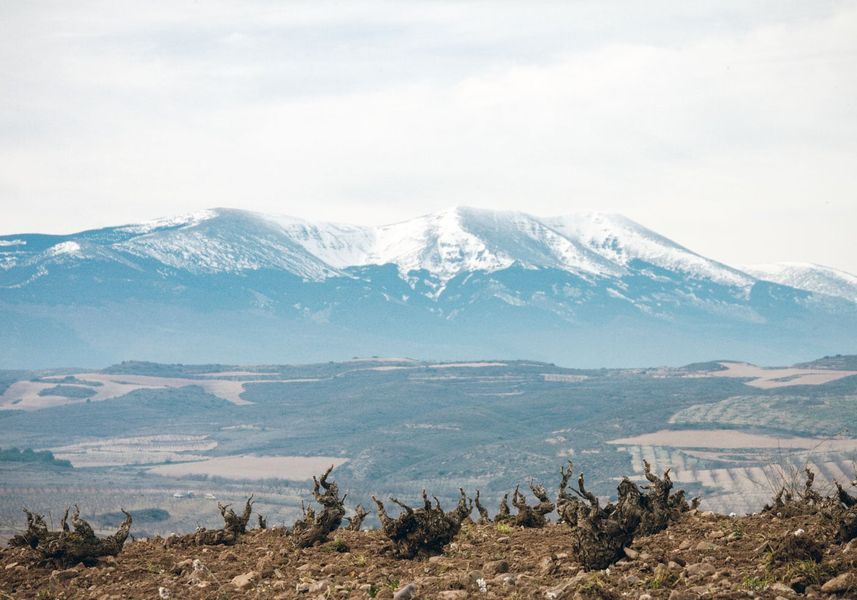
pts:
[839, 362]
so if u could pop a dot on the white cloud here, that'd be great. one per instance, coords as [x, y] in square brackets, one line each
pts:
[731, 128]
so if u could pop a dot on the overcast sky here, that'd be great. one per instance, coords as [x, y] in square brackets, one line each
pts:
[730, 127]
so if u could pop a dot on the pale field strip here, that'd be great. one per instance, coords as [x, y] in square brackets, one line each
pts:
[461, 365]
[250, 467]
[467, 365]
[729, 438]
[767, 379]
[139, 450]
[559, 377]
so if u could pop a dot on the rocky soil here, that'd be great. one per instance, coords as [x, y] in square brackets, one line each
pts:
[703, 555]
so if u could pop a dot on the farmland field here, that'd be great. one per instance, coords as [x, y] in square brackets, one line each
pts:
[180, 437]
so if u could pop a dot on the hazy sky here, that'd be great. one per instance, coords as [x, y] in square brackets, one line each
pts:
[730, 127]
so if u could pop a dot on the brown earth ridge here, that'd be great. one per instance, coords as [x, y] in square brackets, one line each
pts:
[803, 544]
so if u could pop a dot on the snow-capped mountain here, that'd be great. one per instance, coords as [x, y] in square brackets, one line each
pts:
[223, 241]
[236, 286]
[448, 243]
[808, 276]
[622, 241]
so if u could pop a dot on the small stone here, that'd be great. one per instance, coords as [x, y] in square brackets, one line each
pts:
[182, 566]
[715, 534]
[504, 580]
[704, 546]
[547, 566]
[782, 589]
[11, 566]
[163, 593]
[244, 581]
[841, 583]
[319, 586]
[64, 574]
[408, 592]
[632, 554]
[265, 566]
[302, 587]
[631, 580]
[701, 569]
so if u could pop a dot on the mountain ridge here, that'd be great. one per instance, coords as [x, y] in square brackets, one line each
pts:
[230, 285]
[444, 243]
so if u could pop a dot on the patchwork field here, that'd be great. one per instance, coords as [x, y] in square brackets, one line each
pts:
[139, 450]
[767, 379]
[177, 437]
[754, 467]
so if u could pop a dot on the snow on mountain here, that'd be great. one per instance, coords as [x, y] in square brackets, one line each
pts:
[809, 277]
[621, 240]
[445, 244]
[338, 245]
[185, 220]
[69, 247]
[225, 240]
[466, 239]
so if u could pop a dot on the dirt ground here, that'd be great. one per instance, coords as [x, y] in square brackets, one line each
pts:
[702, 556]
[768, 379]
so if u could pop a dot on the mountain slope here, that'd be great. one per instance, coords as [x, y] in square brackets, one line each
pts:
[623, 241]
[808, 276]
[234, 286]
